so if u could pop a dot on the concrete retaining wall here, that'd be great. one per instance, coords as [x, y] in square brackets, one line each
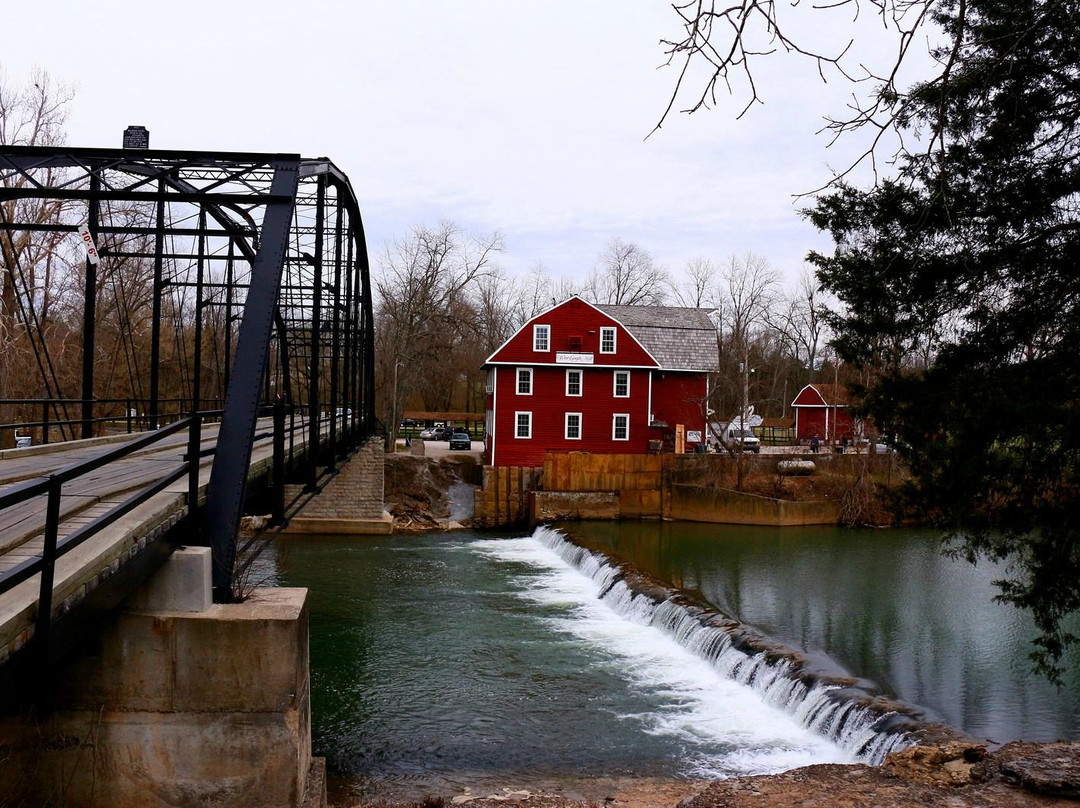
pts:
[721, 506]
[551, 506]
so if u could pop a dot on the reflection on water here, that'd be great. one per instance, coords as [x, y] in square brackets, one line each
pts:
[884, 605]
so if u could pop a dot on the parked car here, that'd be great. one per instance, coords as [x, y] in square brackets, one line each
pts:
[436, 433]
[408, 423]
[461, 440]
[862, 446]
[22, 441]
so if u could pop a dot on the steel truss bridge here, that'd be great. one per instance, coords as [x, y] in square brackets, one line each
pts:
[183, 295]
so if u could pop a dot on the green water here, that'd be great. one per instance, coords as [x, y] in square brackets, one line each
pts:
[460, 661]
[882, 605]
[447, 662]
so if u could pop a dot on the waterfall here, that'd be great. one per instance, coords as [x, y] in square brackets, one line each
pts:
[867, 727]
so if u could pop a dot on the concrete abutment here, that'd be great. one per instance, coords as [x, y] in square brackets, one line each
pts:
[180, 702]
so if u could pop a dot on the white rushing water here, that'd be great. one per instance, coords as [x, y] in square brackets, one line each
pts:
[717, 696]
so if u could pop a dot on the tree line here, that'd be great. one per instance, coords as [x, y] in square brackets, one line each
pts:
[444, 306]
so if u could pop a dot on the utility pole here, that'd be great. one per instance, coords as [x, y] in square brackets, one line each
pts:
[835, 394]
[393, 411]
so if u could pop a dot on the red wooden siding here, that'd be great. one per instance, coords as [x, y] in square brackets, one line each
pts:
[678, 398]
[549, 405]
[826, 422]
[822, 410]
[808, 397]
[575, 327]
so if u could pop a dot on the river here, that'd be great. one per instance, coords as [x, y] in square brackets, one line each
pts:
[455, 661]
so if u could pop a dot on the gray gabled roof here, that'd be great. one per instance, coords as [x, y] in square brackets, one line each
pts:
[678, 338]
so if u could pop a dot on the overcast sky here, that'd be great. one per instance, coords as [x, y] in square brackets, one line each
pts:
[526, 118]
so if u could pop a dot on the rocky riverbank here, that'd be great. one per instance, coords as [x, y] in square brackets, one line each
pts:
[1018, 775]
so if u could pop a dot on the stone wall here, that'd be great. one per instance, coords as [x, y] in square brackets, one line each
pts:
[351, 502]
[357, 490]
[551, 506]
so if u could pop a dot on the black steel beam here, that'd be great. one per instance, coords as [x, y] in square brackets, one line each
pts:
[228, 478]
[90, 320]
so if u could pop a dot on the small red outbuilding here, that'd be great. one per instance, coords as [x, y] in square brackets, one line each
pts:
[822, 410]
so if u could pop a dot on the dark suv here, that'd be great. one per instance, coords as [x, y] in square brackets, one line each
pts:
[460, 439]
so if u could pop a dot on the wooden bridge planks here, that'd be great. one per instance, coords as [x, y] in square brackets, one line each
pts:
[101, 490]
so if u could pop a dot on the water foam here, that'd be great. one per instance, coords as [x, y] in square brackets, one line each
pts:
[773, 715]
[724, 728]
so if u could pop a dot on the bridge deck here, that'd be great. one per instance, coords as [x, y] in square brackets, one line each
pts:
[81, 570]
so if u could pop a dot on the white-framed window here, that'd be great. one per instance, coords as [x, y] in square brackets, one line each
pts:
[522, 424]
[620, 426]
[607, 340]
[542, 338]
[622, 384]
[490, 386]
[572, 429]
[573, 382]
[524, 381]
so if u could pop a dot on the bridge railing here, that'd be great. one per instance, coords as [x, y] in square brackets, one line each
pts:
[52, 486]
[64, 415]
[285, 427]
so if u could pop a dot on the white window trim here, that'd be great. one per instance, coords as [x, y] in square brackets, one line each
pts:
[516, 435]
[581, 382]
[566, 426]
[517, 381]
[536, 331]
[614, 339]
[614, 422]
[615, 383]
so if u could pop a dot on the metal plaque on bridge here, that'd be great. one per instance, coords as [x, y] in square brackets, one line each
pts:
[136, 137]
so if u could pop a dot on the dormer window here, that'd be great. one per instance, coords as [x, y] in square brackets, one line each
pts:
[607, 340]
[541, 338]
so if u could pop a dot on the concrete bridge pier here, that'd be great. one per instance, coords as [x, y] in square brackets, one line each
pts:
[180, 702]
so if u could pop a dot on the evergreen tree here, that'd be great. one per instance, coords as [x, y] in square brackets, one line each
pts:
[960, 280]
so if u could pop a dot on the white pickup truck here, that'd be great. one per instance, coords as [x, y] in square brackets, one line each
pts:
[730, 436]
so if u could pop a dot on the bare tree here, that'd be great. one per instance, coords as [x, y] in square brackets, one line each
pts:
[725, 41]
[425, 309]
[748, 286]
[31, 114]
[798, 321]
[535, 293]
[626, 275]
[697, 284]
